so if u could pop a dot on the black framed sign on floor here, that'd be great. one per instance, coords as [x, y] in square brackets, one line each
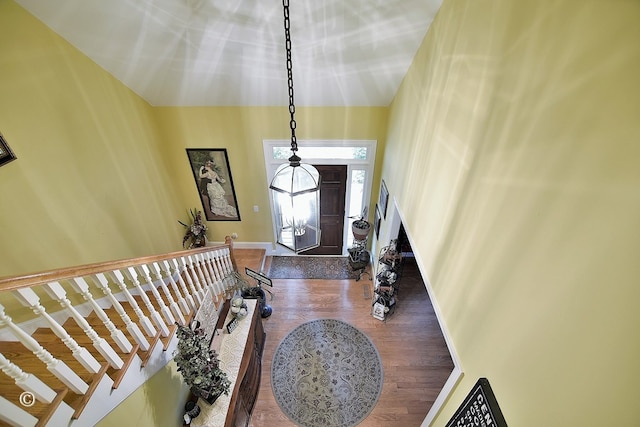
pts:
[480, 408]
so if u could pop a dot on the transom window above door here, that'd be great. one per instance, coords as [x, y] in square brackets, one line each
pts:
[346, 153]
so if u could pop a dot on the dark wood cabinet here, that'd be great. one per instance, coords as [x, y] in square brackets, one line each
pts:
[242, 398]
[246, 390]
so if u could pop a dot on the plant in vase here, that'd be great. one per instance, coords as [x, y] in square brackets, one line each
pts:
[196, 234]
[199, 365]
[361, 227]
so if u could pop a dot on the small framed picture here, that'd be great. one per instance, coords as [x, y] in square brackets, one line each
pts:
[6, 155]
[232, 325]
[384, 199]
[376, 221]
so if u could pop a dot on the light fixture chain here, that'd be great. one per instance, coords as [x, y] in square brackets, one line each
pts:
[292, 107]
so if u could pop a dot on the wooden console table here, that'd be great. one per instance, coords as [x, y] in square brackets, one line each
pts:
[240, 358]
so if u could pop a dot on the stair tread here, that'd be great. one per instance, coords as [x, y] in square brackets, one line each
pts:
[29, 363]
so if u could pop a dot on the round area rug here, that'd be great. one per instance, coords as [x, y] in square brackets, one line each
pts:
[326, 373]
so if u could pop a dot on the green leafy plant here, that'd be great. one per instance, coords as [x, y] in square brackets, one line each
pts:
[199, 365]
[196, 233]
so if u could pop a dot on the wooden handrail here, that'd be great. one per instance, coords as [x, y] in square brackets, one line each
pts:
[16, 282]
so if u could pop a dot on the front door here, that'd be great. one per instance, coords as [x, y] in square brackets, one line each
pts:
[333, 185]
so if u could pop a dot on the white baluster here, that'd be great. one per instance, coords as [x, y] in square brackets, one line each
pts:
[179, 269]
[204, 278]
[146, 324]
[219, 285]
[102, 282]
[57, 292]
[132, 274]
[166, 313]
[226, 269]
[208, 256]
[226, 256]
[181, 306]
[172, 268]
[55, 366]
[202, 271]
[223, 262]
[191, 275]
[211, 277]
[81, 286]
[28, 298]
[15, 415]
[219, 268]
[226, 259]
[27, 382]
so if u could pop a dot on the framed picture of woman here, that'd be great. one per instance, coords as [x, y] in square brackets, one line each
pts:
[211, 171]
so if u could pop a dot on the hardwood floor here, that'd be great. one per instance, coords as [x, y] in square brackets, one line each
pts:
[415, 358]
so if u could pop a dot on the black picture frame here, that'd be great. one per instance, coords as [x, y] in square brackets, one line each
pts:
[376, 221]
[479, 402]
[212, 175]
[6, 155]
[233, 324]
[384, 199]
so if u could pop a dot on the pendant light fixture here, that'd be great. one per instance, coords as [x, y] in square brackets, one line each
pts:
[295, 188]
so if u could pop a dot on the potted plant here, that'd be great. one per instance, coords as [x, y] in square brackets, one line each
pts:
[196, 234]
[361, 227]
[199, 365]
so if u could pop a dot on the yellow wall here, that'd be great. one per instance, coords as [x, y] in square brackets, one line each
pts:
[521, 123]
[90, 183]
[241, 130]
[159, 402]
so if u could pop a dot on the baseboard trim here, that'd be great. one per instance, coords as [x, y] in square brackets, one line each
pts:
[448, 387]
[267, 246]
[457, 373]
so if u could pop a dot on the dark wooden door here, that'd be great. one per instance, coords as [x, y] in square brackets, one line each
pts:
[333, 186]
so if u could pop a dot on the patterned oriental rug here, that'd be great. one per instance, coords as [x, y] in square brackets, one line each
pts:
[326, 373]
[311, 267]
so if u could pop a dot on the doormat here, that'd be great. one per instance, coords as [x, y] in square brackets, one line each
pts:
[311, 267]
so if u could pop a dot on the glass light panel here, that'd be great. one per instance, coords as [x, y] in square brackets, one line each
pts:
[296, 179]
[296, 200]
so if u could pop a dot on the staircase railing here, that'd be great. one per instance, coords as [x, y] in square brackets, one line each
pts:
[113, 315]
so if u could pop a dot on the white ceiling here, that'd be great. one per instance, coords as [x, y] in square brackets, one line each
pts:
[231, 52]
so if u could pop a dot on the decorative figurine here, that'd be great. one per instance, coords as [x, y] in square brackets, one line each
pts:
[239, 308]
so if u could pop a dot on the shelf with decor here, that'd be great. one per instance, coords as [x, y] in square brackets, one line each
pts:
[386, 286]
[358, 254]
[238, 340]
